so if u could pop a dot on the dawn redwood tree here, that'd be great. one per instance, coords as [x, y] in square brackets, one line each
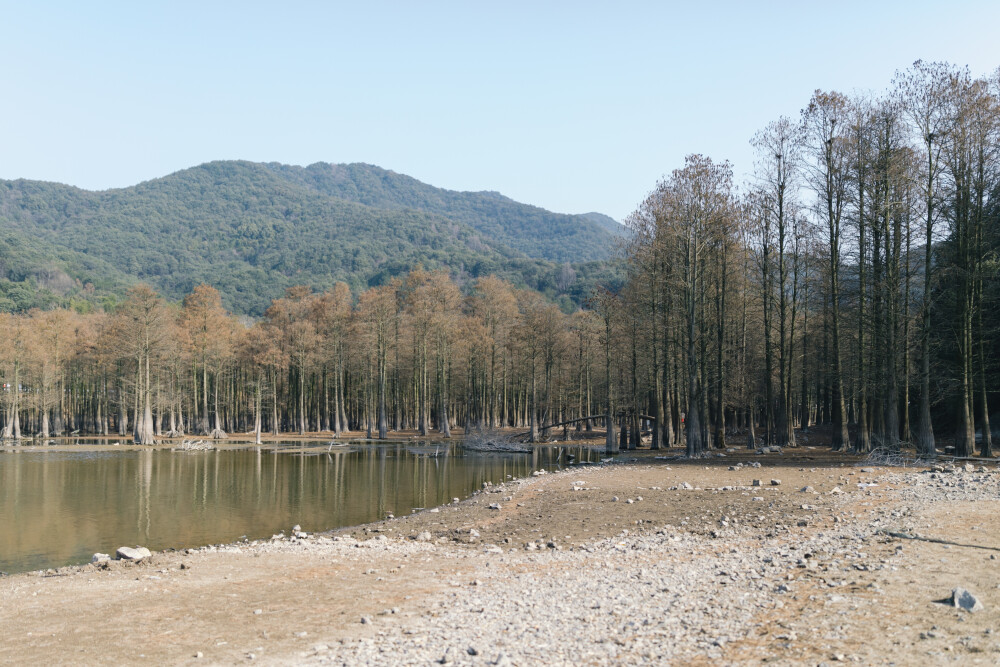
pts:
[204, 322]
[923, 95]
[143, 330]
[826, 122]
[778, 149]
[377, 310]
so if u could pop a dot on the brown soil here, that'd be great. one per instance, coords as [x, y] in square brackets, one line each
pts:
[277, 602]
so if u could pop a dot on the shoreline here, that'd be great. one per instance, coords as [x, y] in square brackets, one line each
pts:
[742, 579]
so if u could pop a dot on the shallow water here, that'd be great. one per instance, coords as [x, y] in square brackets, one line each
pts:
[58, 507]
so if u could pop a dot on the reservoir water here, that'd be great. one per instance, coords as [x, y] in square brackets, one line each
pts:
[58, 506]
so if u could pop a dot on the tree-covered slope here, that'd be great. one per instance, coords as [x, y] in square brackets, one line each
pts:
[531, 230]
[248, 229]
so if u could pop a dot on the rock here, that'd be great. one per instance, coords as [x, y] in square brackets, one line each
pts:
[473, 533]
[963, 599]
[100, 558]
[835, 491]
[495, 506]
[365, 620]
[868, 470]
[128, 553]
[425, 536]
[296, 528]
[199, 654]
[756, 482]
[808, 489]
[775, 482]
[685, 485]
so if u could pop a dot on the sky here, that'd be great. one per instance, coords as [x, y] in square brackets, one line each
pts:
[572, 106]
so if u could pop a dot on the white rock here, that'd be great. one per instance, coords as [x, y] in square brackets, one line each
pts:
[963, 599]
[99, 558]
[128, 553]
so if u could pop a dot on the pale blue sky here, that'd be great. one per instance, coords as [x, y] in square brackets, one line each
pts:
[573, 106]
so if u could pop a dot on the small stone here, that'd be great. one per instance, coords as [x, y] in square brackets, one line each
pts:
[199, 654]
[835, 491]
[472, 651]
[629, 501]
[963, 599]
[129, 553]
[758, 498]
[365, 620]
[495, 506]
[425, 536]
[100, 558]
[686, 485]
[473, 533]
[808, 489]
[614, 499]
[296, 528]
[756, 482]
[258, 612]
[775, 482]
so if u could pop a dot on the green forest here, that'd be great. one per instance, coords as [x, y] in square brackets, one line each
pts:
[253, 230]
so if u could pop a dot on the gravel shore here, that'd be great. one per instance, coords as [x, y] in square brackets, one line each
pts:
[644, 563]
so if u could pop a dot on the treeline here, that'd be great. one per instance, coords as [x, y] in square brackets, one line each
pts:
[853, 282]
[412, 354]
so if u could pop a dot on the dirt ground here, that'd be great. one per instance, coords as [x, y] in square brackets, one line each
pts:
[275, 601]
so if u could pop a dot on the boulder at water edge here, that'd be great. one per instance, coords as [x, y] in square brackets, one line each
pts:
[130, 553]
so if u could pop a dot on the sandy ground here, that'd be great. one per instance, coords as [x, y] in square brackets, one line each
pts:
[292, 600]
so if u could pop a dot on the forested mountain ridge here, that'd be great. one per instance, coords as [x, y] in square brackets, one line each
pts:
[252, 230]
[529, 229]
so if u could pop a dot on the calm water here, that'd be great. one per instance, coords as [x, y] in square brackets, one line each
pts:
[59, 507]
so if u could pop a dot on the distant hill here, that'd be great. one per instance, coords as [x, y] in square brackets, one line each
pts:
[531, 230]
[252, 230]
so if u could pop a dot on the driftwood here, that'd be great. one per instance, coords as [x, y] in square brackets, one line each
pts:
[194, 446]
[907, 536]
[578, 419]
[491, 441]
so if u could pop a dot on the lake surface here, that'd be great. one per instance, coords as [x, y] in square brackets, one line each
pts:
[58, 507]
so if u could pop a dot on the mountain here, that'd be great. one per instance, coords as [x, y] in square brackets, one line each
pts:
[528, 229]
[252, 230]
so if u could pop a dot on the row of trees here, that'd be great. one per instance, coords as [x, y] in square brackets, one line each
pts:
[854, 282]
[412, 354]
